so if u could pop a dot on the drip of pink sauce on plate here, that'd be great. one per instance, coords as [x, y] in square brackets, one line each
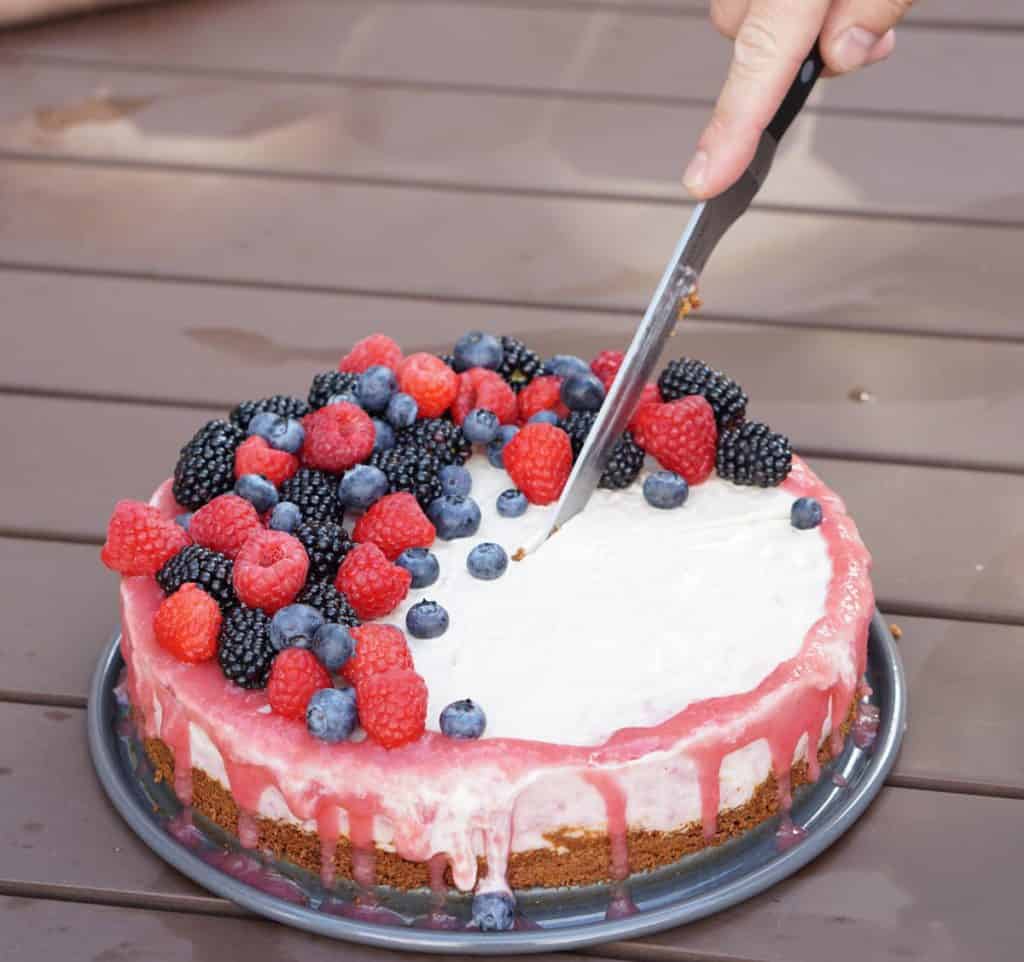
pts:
[410, 787]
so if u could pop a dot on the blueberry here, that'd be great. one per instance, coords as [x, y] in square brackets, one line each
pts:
[565, 364]
[805, 513]
[512, 503]
[463, 719]
[496, 449]
[477, 349]
[426, 619]
[481, 426]
[294, 626]
[487, 561]
[361, 486]
[665, 489]
[421, 564]
[264, 424]
[402, 410]
[184, 520]
[346, 397]
[284, 434]
[454, 516]
[494, 911]
[333, 645]
[331, 714]
[375, 386]
[384, 436]
[286, 517]
[543, 417]
[582, 392]
[455, 479]
[292, 438]
[258, 490]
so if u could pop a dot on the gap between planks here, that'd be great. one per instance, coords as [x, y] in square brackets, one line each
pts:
[426, 297]
[472, 88]
[482, 187]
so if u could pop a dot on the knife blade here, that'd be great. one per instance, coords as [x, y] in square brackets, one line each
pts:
[708, 224]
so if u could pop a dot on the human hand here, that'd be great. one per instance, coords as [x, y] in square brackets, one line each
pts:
[772, 38]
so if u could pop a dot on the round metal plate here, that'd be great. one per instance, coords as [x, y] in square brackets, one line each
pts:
[696, 886]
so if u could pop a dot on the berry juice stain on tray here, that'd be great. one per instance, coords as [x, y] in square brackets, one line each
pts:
[318, 647]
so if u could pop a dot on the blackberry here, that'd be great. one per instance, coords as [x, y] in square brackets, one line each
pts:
[448, 359]
[411, 469]
[206, 465]
[752, 454]
[281, 404]
[244, 649]
[315, 493]
[329, 383]
[687, 376]
[627, 456]
[326, 544]
[438, 437]
[209, 569]
[519, 365]
[330, 602]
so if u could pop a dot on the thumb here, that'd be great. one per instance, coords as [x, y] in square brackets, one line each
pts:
[770, 46]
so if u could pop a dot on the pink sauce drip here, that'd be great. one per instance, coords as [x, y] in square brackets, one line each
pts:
[838, 778]
[615, 810]
[248, 829]
[436, 866]
[865, 725]
[792, 701]
[620, 904]
[175, 724]
[328, 827]
[787, 834]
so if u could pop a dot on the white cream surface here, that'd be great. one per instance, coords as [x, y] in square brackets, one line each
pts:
[624, 616]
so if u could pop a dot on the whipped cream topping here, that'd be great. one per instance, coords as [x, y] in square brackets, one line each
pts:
[626, 615]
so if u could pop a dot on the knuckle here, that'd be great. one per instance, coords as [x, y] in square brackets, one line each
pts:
[899, 8]
[724, 16]
[756, 45]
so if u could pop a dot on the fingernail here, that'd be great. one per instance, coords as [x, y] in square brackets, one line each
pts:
[853, 48]
[696, 173]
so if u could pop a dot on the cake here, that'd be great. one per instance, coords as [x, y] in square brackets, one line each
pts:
[653, 679]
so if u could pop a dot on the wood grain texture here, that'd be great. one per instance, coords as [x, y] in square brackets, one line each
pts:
[214, 346]
[931, 556]
[803, 268]
[575, 50]
[885, 888]
[501, 141]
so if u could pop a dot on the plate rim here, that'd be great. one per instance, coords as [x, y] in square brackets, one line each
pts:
[115, 781]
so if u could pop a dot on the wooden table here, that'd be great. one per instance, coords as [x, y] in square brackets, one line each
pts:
[202, 202]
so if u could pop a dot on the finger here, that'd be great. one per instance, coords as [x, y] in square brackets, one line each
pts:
[727, 15]
[770, 46]
[859, 32]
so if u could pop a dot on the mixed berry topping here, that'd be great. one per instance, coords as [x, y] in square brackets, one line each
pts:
[306, 521]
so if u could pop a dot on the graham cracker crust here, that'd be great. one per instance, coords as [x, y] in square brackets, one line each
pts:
[575, 859]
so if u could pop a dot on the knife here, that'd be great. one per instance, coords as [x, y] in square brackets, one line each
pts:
[673, 296]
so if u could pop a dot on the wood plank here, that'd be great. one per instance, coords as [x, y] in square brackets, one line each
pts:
[946, 542]
[217, 345]
[487, 140]
[803, 268]
[916, 903]
[578, 50]
[49, 929]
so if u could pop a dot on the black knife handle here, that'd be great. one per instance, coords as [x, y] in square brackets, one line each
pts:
[798, 93]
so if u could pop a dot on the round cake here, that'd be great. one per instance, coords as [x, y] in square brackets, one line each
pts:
[338, 648]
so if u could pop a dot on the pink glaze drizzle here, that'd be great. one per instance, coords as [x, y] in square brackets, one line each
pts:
[792, 702]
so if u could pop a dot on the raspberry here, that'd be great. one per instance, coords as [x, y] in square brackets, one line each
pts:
[543, 393]
[294, 676]
[255, 456]
[378, 648]
[337, 437]
[430, 381]
[393, 707]
[394, 523]
[681, 435]
[373, 585]
[539, 459]
[375, 349]
[481, 388]
[270, 570]
[224, 524]
[606, 365]
[140, 539]
[187, 624]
